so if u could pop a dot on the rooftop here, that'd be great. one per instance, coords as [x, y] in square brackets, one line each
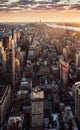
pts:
[78, 88]
[77, 83]
[14, 119]
[37, 95]
[55, 67]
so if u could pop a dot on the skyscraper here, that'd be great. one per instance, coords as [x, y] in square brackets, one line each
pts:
[13, 64]
[37, 109]
[64, 71]
[77, 104]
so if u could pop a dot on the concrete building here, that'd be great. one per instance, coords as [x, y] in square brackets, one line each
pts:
[32, 52]
[5, 97]
[74, 88]
[17, 68]
[4, 61]
[55, 70]
[15, 122]
[37, 108]
[5, 41]
[77, 60]
[0, 43]
[65, 54]
[70, 122]
[77, 104]
[20, 55]
[3, 56]
[13, 65]
[64, 71]
[55, 102]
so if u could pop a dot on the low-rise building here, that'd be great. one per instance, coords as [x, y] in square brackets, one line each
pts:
[15, 122]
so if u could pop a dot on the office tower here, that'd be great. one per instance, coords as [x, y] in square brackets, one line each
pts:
[77, 56]
[10, 38]
[4, 61]
[14, 36]
[37, 108]
[5, 41]
[17, 68]
[12, 33]
[18, 35]
[77, 60]
[1, 48]
[0, 43]
[5, 97]
[65, 54]
[64, 71]
[77, 103]
[74, 88]
[68, 49]
[13, 65]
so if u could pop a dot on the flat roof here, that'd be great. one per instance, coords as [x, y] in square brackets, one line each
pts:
[37, 95]
[24, 83]
[14, 118]
[55, 67]
[22, 92]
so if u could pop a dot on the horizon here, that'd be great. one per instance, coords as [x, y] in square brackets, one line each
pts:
[44, 10]
[39, 22]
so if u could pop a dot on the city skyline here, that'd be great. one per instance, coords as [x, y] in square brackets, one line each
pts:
[36, 10]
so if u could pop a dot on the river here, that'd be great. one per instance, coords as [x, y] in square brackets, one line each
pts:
[64, 27]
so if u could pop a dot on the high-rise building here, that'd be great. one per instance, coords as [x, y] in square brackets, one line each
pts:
[0, 43]
[65, 54]
[5, 97]
[5, 41]
[1, 48]
[4, 61]
[64, 71]
[77, 60]
[77, 57]
[14, 36]
[37, 108]
[13, 65]
[74, 88]
[77, 104]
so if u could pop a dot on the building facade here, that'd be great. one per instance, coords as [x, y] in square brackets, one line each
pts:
[5, 97]
[37, 109]
[64, 71]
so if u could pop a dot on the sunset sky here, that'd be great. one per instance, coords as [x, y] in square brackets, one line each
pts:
[36, 10]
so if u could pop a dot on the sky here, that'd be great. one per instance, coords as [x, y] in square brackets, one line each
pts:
[36, 10]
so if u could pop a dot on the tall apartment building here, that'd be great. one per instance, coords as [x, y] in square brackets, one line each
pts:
[2, 56]
[64, 71]
[37, 108]
[77, 60]
[77, 57]
[5, 97]
[1, 47]
[13, 65]
[65, 54]
[74, 88]
[77, 104]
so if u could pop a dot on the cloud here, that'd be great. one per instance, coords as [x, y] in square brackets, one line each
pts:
[11, 5]
[76, 6]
